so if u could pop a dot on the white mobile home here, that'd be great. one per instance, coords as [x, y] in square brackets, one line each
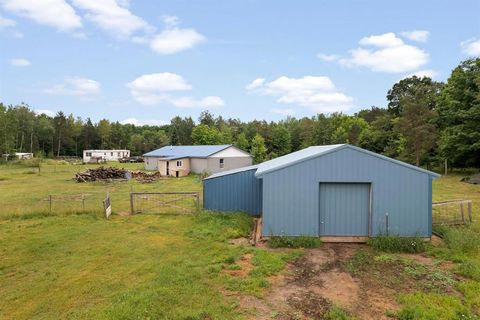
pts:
[96, 156]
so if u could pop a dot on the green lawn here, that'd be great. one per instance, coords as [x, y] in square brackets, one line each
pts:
[76, 265]
[24, 191]
[81, 266]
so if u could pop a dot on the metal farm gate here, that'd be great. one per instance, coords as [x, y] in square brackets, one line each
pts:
[164, 202]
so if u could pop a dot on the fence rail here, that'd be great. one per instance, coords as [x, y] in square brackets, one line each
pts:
[70, 199]
[164, 202]
[452, 212]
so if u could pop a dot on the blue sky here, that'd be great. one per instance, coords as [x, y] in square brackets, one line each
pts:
[144, 62]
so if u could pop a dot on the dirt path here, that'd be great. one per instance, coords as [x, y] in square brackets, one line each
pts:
[311, 285]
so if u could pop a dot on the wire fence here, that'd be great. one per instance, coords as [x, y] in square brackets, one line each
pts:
[70, 203]
[452, 212]
[164, 202]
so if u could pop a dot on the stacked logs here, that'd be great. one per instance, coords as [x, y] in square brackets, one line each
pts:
[146, 177]
[101, 173]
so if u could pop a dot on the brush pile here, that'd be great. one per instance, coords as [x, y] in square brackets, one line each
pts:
[475, 179]
[146, 177]
[102, 173]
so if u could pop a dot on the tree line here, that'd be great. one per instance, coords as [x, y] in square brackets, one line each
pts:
[425, 123]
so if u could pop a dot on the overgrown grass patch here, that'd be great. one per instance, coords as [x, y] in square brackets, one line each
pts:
[265, 263]
[397, 244]
[337, 313]
[220, 226]
[433, 306]
[294, 242]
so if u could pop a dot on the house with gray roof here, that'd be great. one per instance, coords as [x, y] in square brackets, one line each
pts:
[179, 161]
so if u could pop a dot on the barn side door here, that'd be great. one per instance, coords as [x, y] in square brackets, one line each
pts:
[344, 209]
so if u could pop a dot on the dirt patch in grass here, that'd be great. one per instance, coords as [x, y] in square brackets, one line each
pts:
[241, 268]
[421, 258]
[352, 277]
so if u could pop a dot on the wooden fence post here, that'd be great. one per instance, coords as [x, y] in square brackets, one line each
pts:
[50, 200]
[462, 213]
[131, 203]
[469, 209]
[198, 200]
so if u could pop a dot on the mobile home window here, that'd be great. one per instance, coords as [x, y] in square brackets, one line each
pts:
[222, 162]
[179, 163]
[111, 154]
[88, 154]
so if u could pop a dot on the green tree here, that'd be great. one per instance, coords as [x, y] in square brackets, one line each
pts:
[459, 111]
[205, 135]
[416, 124]
[410, 88]
[258, 149]
[242, 142]
[280, 140]
[104, 130]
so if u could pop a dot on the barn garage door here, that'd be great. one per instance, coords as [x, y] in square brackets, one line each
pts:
[344, 209]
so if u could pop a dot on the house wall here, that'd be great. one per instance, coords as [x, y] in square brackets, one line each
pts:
[213, 163]
[230, 152]
[183, 170]
[150, 163]
[240, 191]
[291, 194]
[198, 165]
[109, 155]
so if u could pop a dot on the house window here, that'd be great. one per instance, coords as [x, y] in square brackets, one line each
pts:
[88, 154]
[222, 162]
[179, 163]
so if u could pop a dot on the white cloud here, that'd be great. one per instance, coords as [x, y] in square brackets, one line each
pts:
[49, 113]
[113, 16]
[471, 47]
[283, 112]
[170, 21]
[423, 73]
[328, 57]
[80, 35]
[390, 55]
[55, 13]
[159, 82]
[5, 22]
[384, 40]
[316, 92]
[156, 88]
[75, 86]
[189, 102]
[150, 122]
[20, 62]
[416, 35]
[174, 39]
[255, 84]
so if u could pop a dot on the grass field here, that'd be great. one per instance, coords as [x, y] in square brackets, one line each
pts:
[76, 265]
[24, 191]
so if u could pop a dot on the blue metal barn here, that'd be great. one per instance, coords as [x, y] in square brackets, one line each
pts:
[329, 191]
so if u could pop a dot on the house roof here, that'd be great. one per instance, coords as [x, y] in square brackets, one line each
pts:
[177, 152]
[227, 172]
[315, 151]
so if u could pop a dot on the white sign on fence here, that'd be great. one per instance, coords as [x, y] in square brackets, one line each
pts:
[107, 206]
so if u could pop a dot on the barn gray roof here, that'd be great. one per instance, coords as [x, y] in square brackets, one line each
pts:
[177, 152]
[315, 151]
[227, 172]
